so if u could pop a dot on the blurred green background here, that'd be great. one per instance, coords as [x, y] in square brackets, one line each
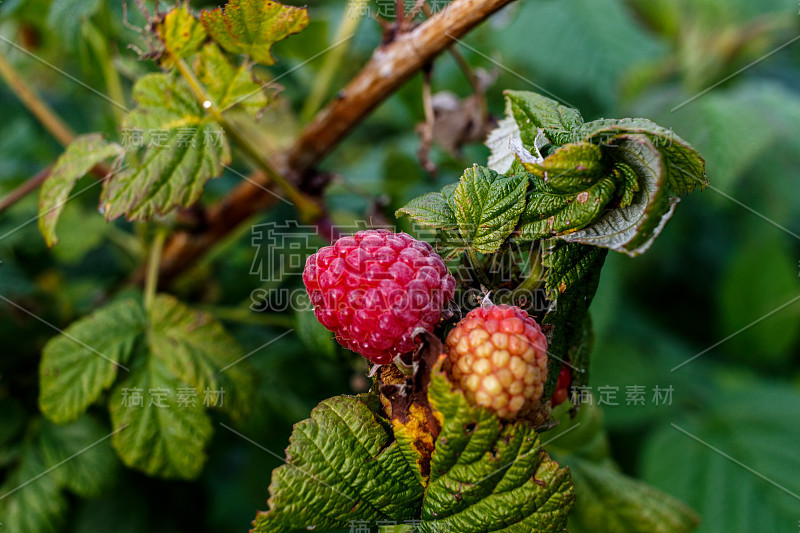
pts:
[723, 280]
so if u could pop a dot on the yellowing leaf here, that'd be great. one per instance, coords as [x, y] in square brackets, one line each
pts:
[181, 33]
[251, 27]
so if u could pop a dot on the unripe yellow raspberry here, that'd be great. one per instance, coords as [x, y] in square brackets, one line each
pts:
[498, 357]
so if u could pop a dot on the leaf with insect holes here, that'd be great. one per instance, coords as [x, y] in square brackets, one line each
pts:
[183, 150]
[487, 206]
[327, 483]
[488, 476]
[228, 85]
[79, 158]
[251, 27]
[182, 34]
[78, 365]
[606, 499]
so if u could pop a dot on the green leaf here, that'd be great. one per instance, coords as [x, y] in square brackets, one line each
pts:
[532, 111]
[228, 85]
[38, 506]
[184, 149]
[431, 209]
[633, 229]
[487, 207]
[328, 482]
[735, 461]
[499, 141]
[89, 464]
[251, 27]
[571, 280]
[683, 167]
[75, 457]
[84, 153]
[489, 476]
[78, 365]
[166, 441]
[606, 499]
[181, 33]
[551, 213]
[760, 277]
[197, 351]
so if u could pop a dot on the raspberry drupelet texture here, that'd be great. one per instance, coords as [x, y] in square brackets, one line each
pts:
[375, 288]
[498, 357]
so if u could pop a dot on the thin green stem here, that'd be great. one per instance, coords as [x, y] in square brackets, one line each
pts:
[348, 24]
[153, 262]
[309, 210]
[43, 112]
[104, 60]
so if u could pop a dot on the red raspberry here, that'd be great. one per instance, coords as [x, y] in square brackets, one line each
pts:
[498, 357]
[374, 289]
[561, 393]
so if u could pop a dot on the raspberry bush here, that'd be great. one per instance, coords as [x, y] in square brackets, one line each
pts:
[442, 300]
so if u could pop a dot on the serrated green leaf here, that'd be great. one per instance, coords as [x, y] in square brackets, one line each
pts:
[84, 153]
[198, 352]
[487, 207]
[431, 209]
[76, 457]
[184, 149]
[88, 464]
[532, 111]
[606, 499]
[633, 229]
[251, 27]
[571, 280]
[549, 213]
[735, 461]
[329, 482]
[228, 85]
[488, 476]
[78, 365]
[166, 441]
[684, 169]
[571, 168]
[182, 34]
[36, 507]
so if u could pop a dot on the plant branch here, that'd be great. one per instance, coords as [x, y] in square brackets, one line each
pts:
[35, 104]
[389, 68]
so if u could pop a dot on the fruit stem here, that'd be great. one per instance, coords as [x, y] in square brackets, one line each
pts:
[477, 267]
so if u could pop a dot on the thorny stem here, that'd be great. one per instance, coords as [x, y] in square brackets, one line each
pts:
[43, 112]
[309, 210]
[153, 263]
